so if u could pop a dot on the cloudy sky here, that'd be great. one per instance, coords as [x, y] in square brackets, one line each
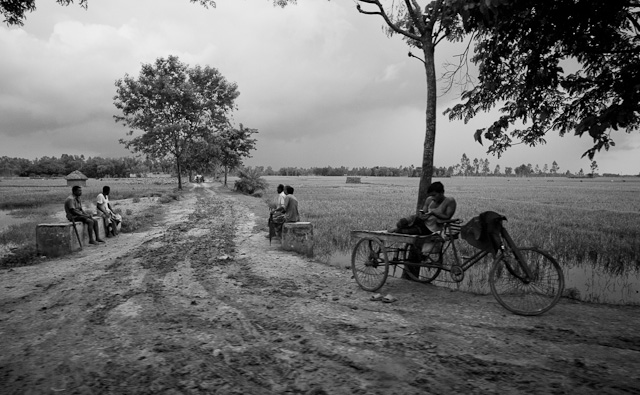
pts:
[322, 83]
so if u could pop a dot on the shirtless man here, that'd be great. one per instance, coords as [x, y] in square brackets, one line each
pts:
[437, 207]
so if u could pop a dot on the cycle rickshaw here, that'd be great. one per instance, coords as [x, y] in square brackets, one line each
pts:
[524, 280]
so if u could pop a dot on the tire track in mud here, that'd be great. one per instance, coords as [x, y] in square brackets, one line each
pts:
[203, 304]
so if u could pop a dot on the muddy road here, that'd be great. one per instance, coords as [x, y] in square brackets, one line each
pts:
[200, 303]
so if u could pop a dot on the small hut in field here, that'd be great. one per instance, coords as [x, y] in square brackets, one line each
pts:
[76, 178]
[353, 180]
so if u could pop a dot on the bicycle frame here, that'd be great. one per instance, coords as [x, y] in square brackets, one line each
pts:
[531, 285]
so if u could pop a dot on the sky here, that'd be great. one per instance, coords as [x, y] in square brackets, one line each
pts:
[322, 84]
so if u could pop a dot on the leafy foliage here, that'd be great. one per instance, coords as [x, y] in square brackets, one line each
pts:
[234, 145]
[14, 10]
[175, 106]
[250, 181]
[523, 49]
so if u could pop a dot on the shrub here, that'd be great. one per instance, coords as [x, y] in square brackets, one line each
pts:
[136, 200]
[250, 181]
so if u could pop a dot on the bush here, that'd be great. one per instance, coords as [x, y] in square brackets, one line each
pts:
[250, 181]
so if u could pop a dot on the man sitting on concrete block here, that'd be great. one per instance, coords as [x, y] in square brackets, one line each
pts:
[75, 213]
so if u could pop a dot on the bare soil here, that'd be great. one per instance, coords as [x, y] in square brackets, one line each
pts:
[202, 303]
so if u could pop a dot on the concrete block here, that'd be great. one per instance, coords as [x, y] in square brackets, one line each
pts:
[59, 239]
[102, 233]
[298, 237]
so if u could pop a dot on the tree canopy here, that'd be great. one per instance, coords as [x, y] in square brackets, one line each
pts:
[234, 145]
[571, 66]
[14, 11]
[175, 106]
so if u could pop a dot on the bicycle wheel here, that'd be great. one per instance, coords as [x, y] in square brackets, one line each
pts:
[516, 293]
[370, 264]
[422, 272]
[425, 275]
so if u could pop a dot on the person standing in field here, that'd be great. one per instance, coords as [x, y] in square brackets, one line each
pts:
[75, 213]
[106, 212]
[290, 206]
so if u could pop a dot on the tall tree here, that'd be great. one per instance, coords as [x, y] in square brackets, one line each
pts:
[522, 50]
[423, 28]
[465, 165]
[174, 106]
[14, 11]
[234, 145]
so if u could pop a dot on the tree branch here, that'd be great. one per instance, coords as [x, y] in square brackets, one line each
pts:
[386, 18]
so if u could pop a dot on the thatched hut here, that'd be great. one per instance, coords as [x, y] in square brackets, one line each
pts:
[76, 178]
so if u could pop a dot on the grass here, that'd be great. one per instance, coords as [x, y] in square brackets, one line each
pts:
[31, 199]
[585, 221]
[25, 193]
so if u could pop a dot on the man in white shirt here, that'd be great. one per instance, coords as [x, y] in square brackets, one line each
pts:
[106, 212]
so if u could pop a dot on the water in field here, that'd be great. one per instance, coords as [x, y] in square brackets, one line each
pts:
[6, 220]
[585, 282]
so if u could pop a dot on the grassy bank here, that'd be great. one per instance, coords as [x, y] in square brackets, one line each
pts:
[587, 221]
[41, 201]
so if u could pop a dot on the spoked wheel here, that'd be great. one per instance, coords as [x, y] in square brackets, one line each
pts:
[520, 295]
[420, 272]
[370, 264]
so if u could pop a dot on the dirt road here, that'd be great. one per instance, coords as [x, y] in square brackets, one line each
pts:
[201, 303]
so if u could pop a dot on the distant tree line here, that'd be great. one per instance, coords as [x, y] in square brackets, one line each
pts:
[98, 167]
[466, 168]
[95, 167]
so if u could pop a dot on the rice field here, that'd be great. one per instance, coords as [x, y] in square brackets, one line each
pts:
[591, 226]
[30, 193]
[34, 201]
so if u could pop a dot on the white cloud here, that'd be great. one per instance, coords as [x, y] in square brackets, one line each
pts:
[318, 80]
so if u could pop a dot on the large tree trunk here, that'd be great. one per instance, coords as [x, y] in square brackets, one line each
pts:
[429, 140]
[430, 131]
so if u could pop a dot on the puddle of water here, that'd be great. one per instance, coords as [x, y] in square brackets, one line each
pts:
[586, 282]
[594, 284]
[6, 220]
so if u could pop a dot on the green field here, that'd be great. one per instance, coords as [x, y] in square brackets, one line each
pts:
[577, 220]
[591, 226]
[33, 201]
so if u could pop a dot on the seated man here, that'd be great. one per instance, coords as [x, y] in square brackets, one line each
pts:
[106, 212]
[276, 213]
[288, 212]
[75, 213]
[436, 208]
[290, 206]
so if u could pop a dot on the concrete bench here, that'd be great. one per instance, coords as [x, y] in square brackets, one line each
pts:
[298, 237]
[60, 239]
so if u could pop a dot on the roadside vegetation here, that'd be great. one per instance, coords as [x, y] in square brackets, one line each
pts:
[575, 220]
[38, 201]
